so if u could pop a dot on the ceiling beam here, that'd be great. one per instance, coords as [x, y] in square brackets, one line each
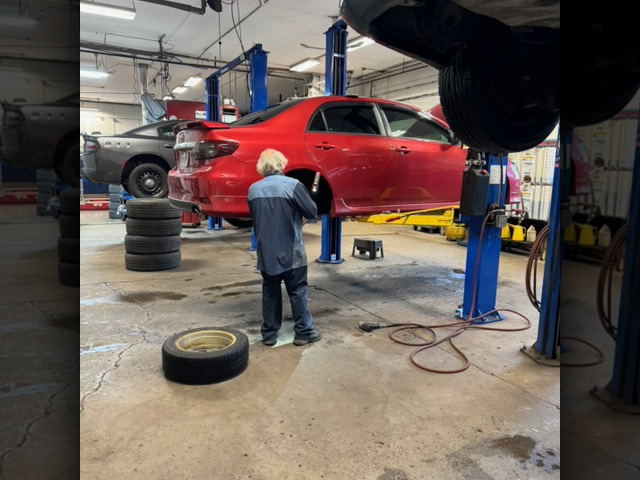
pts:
[180, 6]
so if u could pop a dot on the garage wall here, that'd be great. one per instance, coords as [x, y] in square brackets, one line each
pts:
[110, 119]
[411, 83]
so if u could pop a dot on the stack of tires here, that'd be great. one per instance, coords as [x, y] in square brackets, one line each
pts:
[46, 180]
[152, 242]
[115, 199]
[69, 241]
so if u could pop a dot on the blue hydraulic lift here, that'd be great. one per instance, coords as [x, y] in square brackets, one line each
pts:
[256, 59]
[335, 83]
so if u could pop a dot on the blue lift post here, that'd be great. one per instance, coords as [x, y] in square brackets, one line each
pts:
[546, 349]
[256, 58]
[486, 276]
[623, 392]
[335, 83]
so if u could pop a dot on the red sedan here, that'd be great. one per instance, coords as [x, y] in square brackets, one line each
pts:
[357, 156]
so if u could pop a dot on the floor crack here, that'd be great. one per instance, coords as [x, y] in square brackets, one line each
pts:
[27, 431]
[116, 364]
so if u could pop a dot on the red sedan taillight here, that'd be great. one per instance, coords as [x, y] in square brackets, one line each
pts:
[13, 117]
[91, 145]
[209, 149]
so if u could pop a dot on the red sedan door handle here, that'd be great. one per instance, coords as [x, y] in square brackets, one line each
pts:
[324, 146]
[404, 150]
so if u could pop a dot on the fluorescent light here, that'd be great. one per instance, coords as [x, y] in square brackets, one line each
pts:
[93, 73]
[11, 19]
[103, 9]
[359, 42]
[167, 97]
[192, 81]
[304, 65]
[179, 89]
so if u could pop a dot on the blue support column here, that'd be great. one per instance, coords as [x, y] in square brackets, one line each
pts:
[335, 83]
[215, 223]
[487, 257]
[258, 85]
[212, 98]
[330, 250]
[253, 246]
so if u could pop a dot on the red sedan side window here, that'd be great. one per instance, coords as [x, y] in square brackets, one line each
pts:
[408, 124]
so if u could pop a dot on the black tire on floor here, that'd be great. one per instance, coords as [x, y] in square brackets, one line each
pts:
[114, 205]
[113, 215]
[45, 188]
[70, 201]
[152, 208]
[152, 262]
[69, 225]
[471, 102]
[43, 175]
[205, 355]
[69, 273]
[114, 197]
[115, 188]
[153, 227]
[69, 249]
[42, 210]
[43, 198]
[146, 245]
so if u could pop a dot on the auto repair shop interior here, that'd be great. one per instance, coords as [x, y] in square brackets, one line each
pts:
[432, 263]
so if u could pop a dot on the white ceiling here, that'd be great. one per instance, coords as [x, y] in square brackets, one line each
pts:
[280, 25]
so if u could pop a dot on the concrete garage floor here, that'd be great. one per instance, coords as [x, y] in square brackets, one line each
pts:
[348, 407]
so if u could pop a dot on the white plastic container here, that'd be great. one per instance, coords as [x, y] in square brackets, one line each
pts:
[604, 236]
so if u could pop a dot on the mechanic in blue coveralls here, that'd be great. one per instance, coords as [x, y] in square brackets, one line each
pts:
[277, 205]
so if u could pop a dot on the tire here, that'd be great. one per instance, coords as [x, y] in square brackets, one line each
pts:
[45, 188]
[145, 245]
[69, 226]
[154, 262]
[68, 168]
[152, 227]
[70, 201]
[69, 249]
[43, 198]
[196, 366]
[43, 175]
[115, 188]
[114, 197]
[69, 273]
[148, 172]
[114, 205]
[471, 102]
[155, 208]
[113, 215]
[42, 210]
[239, 222]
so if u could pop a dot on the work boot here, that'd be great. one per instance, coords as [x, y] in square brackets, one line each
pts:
[300, 340]
[270, 342]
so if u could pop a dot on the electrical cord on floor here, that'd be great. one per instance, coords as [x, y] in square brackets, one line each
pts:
[531, 288]
[605, 280]
[459, 327]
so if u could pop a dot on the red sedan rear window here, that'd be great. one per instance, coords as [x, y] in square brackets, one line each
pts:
[264, 115]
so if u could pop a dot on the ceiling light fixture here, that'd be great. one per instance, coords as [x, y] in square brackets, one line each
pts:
[359, 42]
[106, 10]
[88, 109]
[193, 81]
[89, 73]
[167, 97]
[179, 89]
[304, 65]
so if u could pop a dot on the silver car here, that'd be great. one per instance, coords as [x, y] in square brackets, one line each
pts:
[138, 159]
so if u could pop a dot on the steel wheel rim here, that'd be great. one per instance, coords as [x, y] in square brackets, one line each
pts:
[149, 182]
[205, 341]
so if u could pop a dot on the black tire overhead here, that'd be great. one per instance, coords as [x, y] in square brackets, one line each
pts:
[69, 167]
[137, 181]
[153, 227]
[70, 201]
[205, 355]
[69, 225]
[151, 208]
[471, 102]
[69, 249]
[69, 273]
[154, 262]
[145, 245]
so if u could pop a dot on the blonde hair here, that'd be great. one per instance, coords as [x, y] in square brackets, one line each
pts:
[271, 162]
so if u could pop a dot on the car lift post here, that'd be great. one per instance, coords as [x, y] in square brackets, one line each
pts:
[623, 392]
[547, 348]
[487, 258]
[335, 83]
[256, 59]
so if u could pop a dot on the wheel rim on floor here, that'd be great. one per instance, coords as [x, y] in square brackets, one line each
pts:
[205, 341]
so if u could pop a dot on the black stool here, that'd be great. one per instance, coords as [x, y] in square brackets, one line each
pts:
[366, 245]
